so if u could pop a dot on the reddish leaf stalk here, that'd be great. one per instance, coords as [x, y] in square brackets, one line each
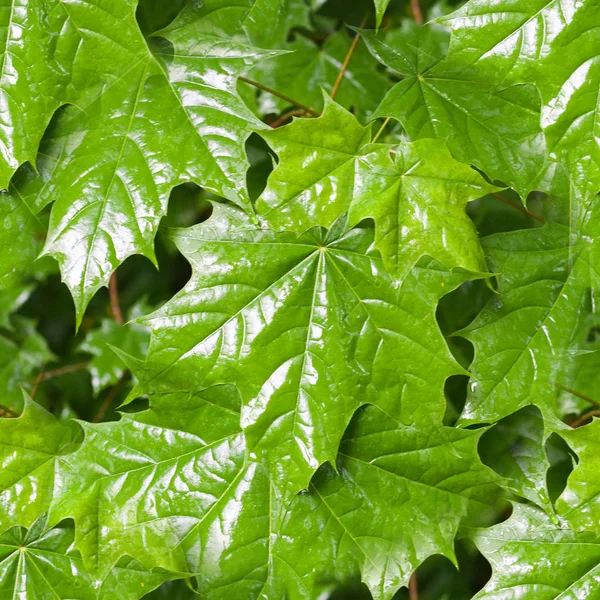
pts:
[415, 7]
[113, 289]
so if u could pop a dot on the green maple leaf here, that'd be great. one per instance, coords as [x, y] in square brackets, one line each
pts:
[418, 201]
[536, 559]
[42, 564]
[22, 229]
[578, 505]
[515, 449]
[318, 165]
[497, 130]
[32, 446]
[207, 511]
[417, 198]
[143, 123]
[524, 337]
[507, 42]
[36, 54]
[261, 23]
[307, 328]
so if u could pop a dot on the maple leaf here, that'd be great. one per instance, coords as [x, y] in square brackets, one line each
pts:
[496, 129]
[417, 198]
[32, 446]
[508, 42]
[143, 123]
[526, 552]
[307, 328]
[524, 337]
[41, 563]
[208, 511]
[35, 70]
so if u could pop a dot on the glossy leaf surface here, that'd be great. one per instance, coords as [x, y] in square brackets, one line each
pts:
[525, 552]
[206, 510]
[307, 328]
[42, 564]
[32, 445]
[496, 129]
[165, 117]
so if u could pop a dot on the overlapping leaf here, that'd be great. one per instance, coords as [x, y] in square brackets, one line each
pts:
[31, 447]
[308, 329]
[42, 564]
[416, 194]
[533, 558]
[37, 49]
[553, 45]
[145, 123]
[524, 337]
[496, 129]
[206, 510]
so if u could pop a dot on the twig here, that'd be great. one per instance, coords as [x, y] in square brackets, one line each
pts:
[9, 411]
[579, 395]
[381, 129]
[416, 11]
[413, 588]
[584, 418]
[521, 208]
[113, 290]
[340, 77]
[260, 86]
[38, 380]
[108, 401]
[64, 370]
[283, 119]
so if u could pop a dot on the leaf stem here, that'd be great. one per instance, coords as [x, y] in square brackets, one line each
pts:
[9, 411]
[64, 370]
[378, 134]
[283, 119]
[416, 11]
[595, 412]
[340, 77]
[579, 395]
[38, 380]
[110, 397]
[413, 588]
[260, 86]
[521, 208]
[113, 290]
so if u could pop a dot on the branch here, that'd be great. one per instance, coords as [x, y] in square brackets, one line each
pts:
[38, 380]
[260, 86]
[9, 412]
[64, 370]
[113, 290]
[283, 119]
[340, 77]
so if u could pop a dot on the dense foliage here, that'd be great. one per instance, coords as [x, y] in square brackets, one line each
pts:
[349, 347]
